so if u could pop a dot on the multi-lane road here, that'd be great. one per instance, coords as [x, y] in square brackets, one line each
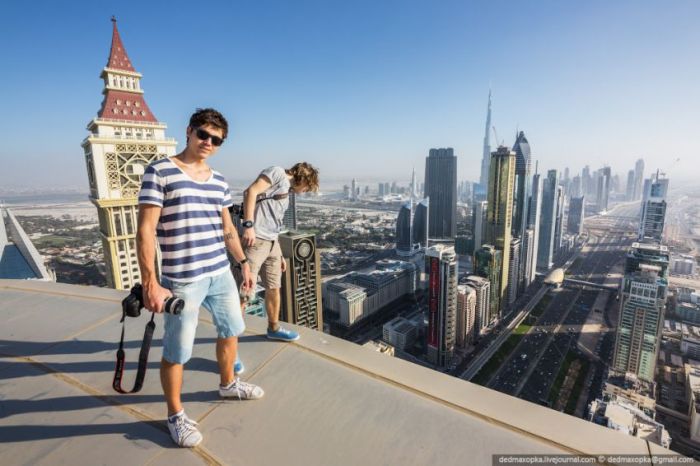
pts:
[532, 366]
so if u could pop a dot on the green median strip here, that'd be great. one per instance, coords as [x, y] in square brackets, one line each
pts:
[484, 375]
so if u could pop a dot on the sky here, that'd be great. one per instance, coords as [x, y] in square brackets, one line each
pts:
[362, 88]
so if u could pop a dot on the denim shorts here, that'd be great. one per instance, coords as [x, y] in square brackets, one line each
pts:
[217, 294]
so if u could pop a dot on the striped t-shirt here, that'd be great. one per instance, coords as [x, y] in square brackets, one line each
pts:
[190, 230]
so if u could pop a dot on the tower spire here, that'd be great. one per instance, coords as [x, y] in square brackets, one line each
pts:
[118, 59]
[486, 156]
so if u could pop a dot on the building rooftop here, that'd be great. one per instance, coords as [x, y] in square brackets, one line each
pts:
[327, 401]
[19, 259]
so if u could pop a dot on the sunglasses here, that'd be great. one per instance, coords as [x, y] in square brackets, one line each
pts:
[203, 136]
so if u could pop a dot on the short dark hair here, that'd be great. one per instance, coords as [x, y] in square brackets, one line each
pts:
[209, 116]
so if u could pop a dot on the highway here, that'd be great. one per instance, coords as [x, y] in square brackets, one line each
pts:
[532, 366]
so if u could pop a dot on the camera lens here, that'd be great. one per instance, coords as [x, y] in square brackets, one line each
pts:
[173, 305]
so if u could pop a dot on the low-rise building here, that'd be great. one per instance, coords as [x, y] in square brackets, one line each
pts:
[400, 333]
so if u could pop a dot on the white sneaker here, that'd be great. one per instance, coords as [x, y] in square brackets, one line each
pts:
[183, 431]
[241, 390]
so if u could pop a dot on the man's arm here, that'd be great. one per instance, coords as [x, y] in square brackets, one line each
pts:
[259, 186]
[153, 294]
[233, 244]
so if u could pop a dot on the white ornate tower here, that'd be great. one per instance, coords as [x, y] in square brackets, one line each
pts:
[123, 139]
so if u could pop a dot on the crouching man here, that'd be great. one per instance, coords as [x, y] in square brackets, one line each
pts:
[184, 204]
[264, 204]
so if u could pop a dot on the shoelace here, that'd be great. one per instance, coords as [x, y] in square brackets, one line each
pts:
[184, 427]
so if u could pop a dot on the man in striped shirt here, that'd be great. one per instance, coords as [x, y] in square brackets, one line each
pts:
[184, 204]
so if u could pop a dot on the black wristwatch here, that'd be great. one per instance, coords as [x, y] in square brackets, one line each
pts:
[241, 262]
[247, 224]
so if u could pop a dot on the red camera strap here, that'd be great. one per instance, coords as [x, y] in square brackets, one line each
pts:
[143, 358]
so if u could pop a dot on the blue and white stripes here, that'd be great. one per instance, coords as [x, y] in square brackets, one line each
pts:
[190, 230]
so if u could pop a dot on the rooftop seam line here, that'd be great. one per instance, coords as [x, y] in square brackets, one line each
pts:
[256, 371]
[112, 401]
[58, 293]
[448, 404]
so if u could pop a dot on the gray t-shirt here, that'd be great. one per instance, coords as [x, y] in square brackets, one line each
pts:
[269, 214]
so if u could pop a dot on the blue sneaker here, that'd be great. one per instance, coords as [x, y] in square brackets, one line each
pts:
[282, 334]
[238, 367]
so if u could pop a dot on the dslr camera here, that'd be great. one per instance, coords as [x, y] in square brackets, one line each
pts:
[132, 304]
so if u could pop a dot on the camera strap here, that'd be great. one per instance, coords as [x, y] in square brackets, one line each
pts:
[143, 357]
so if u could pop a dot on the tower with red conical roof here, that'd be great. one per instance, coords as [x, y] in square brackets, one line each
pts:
[124, 138]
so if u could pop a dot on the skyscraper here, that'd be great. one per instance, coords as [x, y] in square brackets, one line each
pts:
[521, 197]
[354, 190]
[576, 215]
[586, 181]
[545, 249]
[527, 245]
[629, 192]
[479, 222]
[466, 310]
[441, 189]
[500, 212]
[559, 222]
[488, 263]
[404, 226]
[412, 228]
[603, 189]
[441, 264]
[643, 299]
[638, 178]
[486, 153]
[533, 223]
[124, 138]
[482, 308]
[653, 215]
[301, 281]
[290, 215]
[513, 270]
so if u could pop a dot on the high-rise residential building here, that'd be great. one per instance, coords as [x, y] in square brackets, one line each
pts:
[527, 245]
[629, 191]
[521, 195]
[513, 271]
[559, 222]
[479, 222]
[301, 282]
[354, 190]
[482, 306]
[586, 181]
[603, 192]
[289, 221]
[124, 138]
[486, 153]
[441, 189]
[488, 263]
[404, 226]
[575, 190]
[521, 198]
[638, 179]
[576, 215]
[500, 212]
[545, 249]
[653, 215]
[412, 227]
[380, 189]
[421, 216]
[466, 310]
[441, 265]
[643, 293]
[533, 223]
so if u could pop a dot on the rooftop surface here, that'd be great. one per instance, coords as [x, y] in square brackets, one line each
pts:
[327, 401]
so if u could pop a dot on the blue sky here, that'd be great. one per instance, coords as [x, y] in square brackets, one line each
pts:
[362, 88]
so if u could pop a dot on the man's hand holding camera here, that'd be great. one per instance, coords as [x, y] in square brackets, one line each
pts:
[154, 296]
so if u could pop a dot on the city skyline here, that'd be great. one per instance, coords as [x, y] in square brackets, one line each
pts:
[343, 84]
